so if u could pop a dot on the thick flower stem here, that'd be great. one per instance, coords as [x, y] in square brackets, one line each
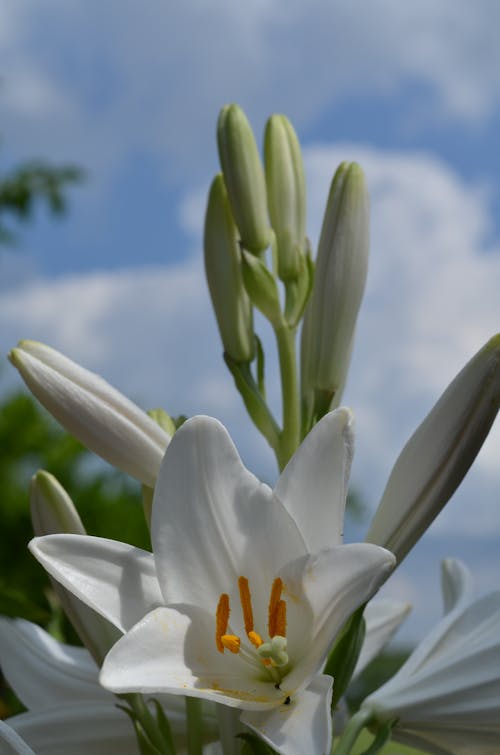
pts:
[194, 726]
[290, 434]
[352, 731]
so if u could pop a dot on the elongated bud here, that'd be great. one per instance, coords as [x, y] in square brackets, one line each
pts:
[244, 178]
[53, 512]
[286, 193]
[437, 456]
[230, 301]
[93, 411]
[262, 288]
[341, 269]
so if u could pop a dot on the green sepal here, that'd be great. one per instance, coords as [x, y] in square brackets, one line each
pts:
[262, 288]
[255, 404]
[382, 737]
[345, 653]
[253, 745]
[164, 726]
[163, 419]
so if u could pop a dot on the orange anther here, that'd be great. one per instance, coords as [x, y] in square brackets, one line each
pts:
[255, 639]
[280, 622]
[221, 621]
[246, 604]
[274, 601]
[231, 642]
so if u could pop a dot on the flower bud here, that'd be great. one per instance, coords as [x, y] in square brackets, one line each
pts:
[341, 269]
[230, 301]
[261, 288]
[53, 512]
[286, 193]
[244, 178]
[93, 411]
[436, 458]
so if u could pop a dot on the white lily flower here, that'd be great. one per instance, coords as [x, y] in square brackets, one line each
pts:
[11, 743]
[436, 458]
[69, 711]
[253, 593]
[446, 697]
[101, 417]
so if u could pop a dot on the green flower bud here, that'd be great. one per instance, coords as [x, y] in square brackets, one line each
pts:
[286, 193]
[53, 512]
[341, 268]
[244, 178]
[163, 419]
[230, 301]
[262, 288]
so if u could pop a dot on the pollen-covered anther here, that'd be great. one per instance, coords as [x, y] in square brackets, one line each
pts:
[255, 639]
[222, 621]
[231, 642]
[276, 612]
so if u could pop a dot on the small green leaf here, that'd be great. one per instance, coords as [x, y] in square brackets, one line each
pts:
[343, 658]
[254, 745]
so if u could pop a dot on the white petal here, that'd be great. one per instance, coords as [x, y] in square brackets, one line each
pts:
[80, 728]
[213, 521]
[92, 410]
[457, 584]
[43, 672]
[303, 726]
[11, 743]
[332, 584]
[172, 652]
[382, 618]
[437, 456]
[313, 486]
[115, 579]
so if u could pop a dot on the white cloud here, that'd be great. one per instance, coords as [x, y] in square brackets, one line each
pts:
[110, 78]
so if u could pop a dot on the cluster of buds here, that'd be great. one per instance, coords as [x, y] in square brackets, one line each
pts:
[256, 206]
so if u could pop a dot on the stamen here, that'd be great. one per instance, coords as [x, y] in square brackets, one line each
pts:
[246, 604]
[272, 612]
[231, 642]
[280, 628]
[222, 620]
[255, 639]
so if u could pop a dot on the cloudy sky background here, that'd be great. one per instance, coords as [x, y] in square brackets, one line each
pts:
[131, 92]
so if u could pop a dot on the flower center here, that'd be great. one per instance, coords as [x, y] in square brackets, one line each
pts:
[271, 654]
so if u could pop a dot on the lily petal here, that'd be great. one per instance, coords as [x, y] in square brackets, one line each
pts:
[457, 583]
[323, 461]
[382, 618]
[79, 728]
[11, 743]
[93, 411]
[212, 518]
[304, 725]
[173, 652]
[115, 579]
[333, 584]
[43, 672]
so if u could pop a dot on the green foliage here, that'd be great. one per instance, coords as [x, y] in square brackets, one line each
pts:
[108, 502]
[30, 183]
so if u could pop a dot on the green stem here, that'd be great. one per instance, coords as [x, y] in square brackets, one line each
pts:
[352, 731]
[148, 722]
[194, 726]
[290, 434]
[229, 728]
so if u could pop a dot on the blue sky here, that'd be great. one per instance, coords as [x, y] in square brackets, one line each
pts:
[131, 92]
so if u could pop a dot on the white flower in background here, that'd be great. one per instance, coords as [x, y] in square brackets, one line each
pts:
[255, 582]
[446, 697]
[68, 710]
[102, 418]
